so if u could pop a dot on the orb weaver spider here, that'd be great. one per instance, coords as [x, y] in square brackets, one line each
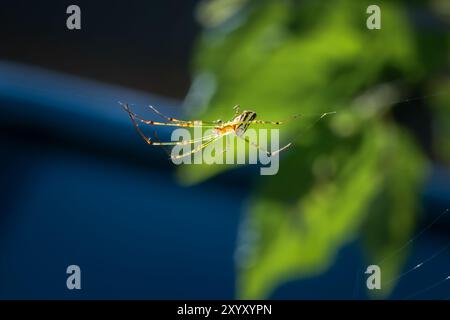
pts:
[238, 126]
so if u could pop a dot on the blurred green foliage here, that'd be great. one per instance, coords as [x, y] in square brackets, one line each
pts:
[356, 171]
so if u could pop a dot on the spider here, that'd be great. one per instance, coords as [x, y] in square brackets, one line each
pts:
[238, 126]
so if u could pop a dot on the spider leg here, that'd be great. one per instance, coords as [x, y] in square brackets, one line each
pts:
[189, 124]
[269, 153]
[166, 117]
[274, 153]
[183, 142]
[171, 143]
[290, 119]
[197, 149]
[237, 110]
[213, 123]
[155, 134]
[274, 122]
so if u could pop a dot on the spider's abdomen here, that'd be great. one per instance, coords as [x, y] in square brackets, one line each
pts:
[243, 121]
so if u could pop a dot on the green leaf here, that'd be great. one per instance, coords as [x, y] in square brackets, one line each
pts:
[355, 171]
[276, 69]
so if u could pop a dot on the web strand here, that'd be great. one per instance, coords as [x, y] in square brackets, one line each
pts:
[419, 265]
[427, 288]
[414, 238]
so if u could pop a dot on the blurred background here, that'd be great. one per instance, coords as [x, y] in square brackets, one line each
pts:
[368, 185]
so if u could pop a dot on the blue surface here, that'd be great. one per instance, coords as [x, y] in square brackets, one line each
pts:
[134, 233]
